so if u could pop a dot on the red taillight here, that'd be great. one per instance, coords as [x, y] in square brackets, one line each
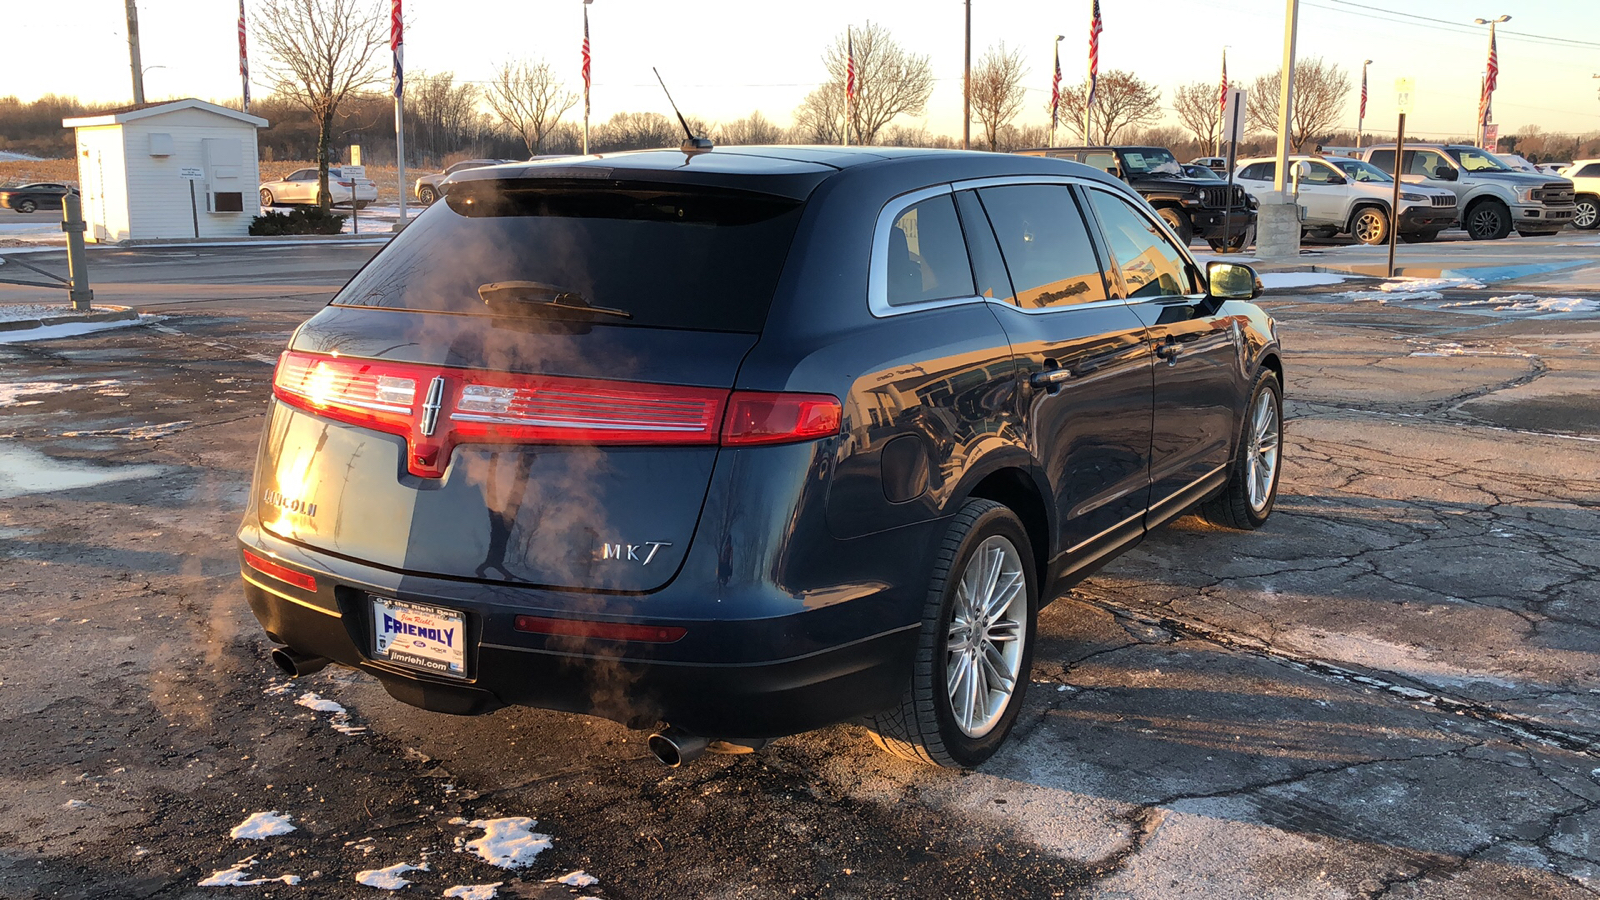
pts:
[611, 631]
[759, 418]
[283, 573]
[436, 408]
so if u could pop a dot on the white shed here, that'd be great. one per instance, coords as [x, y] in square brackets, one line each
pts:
[137, 169]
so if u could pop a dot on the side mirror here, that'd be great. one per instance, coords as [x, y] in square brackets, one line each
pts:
[1231, 281]
[1445, 173]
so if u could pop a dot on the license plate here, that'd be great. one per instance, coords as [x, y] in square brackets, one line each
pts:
[420, 637]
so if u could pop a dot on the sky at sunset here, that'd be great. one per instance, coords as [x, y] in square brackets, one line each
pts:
[724, 59]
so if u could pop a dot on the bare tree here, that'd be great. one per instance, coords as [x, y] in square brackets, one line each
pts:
[1319, 92]
[755, 129]
[639, 131]
[1121, 100]
[529, 100]
[997, 90]
[889, 81]
[440, 112]
[1197, 108]
[320, 53]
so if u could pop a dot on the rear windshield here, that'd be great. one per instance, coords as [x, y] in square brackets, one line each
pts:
[671, 257]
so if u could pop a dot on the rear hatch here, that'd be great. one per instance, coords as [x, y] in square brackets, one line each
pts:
[531, 383]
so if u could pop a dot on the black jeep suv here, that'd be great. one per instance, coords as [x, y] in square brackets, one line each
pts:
[1225, 217]
[749, 441]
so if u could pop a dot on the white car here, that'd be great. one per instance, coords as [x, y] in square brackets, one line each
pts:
[1518, 163]
[1585, 177]
[1339, 195]
[299, 188]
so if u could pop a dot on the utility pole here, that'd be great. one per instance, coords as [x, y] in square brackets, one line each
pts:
[966, 87]
[133, 53]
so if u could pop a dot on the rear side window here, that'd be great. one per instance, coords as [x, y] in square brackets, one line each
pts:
[669, 256]
[1151, 265]
[1592, 170]
[1045, 243]
[1262, 171]
[1383, 159]
[927, 255]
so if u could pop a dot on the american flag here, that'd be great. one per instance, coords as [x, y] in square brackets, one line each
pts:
[1094, 53]
[244, 62]
[1055, 91]
[397, 43]
[1222, 96]
[849, 64]
[1363, 113]
[1491, 80]
[586, 62]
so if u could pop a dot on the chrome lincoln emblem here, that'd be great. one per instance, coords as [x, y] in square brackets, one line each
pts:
[430, 406]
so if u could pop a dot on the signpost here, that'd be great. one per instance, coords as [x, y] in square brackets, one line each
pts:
[1233, 119]
[1491, 138]
[350, 175]
[1404, 87]
[192, 174]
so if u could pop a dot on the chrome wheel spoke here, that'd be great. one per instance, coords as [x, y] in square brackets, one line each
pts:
[985, 636]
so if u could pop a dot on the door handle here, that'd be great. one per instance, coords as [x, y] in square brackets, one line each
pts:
[1169, 350]
[1051, 378]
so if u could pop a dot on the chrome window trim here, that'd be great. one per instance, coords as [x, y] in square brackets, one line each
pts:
[878, 265]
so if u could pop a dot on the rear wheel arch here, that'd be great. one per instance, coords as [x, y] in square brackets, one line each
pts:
[1015, 489]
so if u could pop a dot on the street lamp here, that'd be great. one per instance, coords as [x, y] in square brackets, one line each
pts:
[1487, 91]
[1055, 89]
[1361, 114]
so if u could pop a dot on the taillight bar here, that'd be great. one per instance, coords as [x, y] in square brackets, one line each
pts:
[281, 572]
[436, 408]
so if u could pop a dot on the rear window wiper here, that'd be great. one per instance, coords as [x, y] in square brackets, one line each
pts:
[536, 298]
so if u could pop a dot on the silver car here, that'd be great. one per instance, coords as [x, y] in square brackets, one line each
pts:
[427, 187]
[299, 188]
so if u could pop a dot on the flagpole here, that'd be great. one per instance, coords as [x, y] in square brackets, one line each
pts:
[1055, 90]
[849, 76]
[1094, 72]
[1361, 114]
[244, 65]
[586, 58]
[397, 42]
[1222, 102]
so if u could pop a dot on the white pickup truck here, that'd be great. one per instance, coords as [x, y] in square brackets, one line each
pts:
[1342, 195]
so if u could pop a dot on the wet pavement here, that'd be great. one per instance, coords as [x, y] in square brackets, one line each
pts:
[1392, 690]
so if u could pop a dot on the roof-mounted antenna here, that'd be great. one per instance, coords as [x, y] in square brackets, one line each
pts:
[691, 144]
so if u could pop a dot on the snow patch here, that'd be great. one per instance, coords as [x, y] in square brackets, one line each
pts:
[1299, 279]
[12, 394]
[134, 432]
[69, 329]
[75, 804]
[311, 701]
[262, 825]
[509, 842]
[474, 891]
[238, 876]
[1410, 285]
[24, 470]
[579, 878]
[1385, 296]
[388, 879]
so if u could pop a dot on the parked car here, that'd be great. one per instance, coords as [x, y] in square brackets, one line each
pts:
[1517, 163]
[1491, 197]
[749, 441]
[1347, 196]
[1201, 173]
[299, 188]
[427, 187]
[1190, 207]
[25, 198]
[1585, 177]
[1556, 168]
[1218, 164]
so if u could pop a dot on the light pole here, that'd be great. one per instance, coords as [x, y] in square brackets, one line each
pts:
[1361, 114]
[1055, 90]
[1491, 79]
[1278, 219]
[133, 53]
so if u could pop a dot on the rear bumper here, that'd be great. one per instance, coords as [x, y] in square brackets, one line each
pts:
[749, 678]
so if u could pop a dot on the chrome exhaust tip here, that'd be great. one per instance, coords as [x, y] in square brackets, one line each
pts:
[673, 747]
[296, 664]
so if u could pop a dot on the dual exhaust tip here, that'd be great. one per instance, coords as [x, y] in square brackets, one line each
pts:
[296, 664]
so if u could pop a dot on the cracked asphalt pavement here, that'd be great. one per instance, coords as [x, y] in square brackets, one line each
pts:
[1392, 690]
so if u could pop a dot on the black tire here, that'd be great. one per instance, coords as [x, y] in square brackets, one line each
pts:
[363, 204]
[25, 206]
[1178, 222]
[924, 726]
[1587, 217]
[1419, 237]
[1231, 245]
[267, 199]
[1370, 226]
[1488, 220]
[1237, 506]
[427, 195]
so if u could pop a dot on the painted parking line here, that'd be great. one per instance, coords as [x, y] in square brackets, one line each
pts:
[217, 345]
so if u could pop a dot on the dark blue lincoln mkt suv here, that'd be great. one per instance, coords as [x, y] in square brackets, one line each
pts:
[749, 441]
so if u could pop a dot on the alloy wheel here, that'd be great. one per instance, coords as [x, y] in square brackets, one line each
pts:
[1262, 454]
[1587, 215]
[1485, 221]
[988, 623]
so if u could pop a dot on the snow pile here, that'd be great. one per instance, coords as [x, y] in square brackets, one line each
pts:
[70, 329]
[238, 877]
[509, 842]
[341, 718]
[1411, 285]
[1528, 303]
[579, 878]
[388, 879]
[1299, 279]
[261, 825]
[1381, 296]
[474, 891]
